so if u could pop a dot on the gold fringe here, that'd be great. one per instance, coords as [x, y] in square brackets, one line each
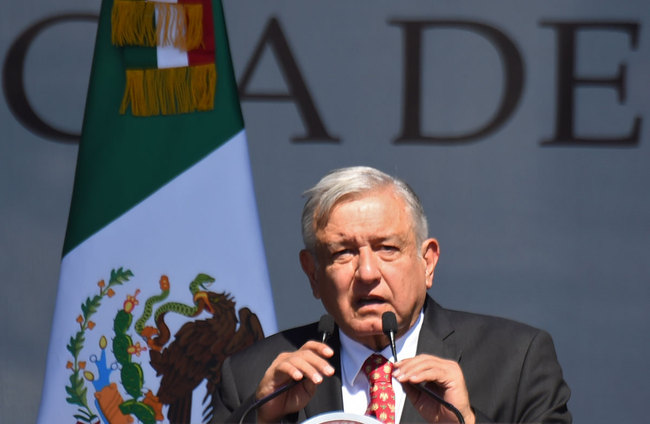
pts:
[169, 91]
[204, 84]
[133, 22]
[194, 31]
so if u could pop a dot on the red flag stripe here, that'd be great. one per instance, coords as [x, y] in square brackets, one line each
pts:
[206, 53]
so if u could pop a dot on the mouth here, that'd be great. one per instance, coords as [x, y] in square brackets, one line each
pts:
[369, 301]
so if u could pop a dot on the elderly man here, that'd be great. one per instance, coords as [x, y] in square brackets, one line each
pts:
[367, 252]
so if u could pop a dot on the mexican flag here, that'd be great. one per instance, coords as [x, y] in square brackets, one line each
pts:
[163, 272]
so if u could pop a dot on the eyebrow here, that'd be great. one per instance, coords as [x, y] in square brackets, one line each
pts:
[344, 241]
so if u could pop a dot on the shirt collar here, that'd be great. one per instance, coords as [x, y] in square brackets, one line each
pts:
[354, 354]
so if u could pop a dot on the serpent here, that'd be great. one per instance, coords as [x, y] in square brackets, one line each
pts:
[200, 282]
[148, 306]
[158, 336]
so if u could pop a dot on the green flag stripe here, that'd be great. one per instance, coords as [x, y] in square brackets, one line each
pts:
[140, 57]
[123, 159]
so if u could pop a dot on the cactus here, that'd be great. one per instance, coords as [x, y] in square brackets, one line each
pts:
[131, 372]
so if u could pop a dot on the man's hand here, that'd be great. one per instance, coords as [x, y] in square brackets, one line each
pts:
[309, 364]
[441, 376]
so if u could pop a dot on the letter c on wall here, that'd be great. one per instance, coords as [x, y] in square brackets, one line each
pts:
[13, 82]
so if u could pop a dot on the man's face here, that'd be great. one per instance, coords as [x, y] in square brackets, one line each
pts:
[368, 262]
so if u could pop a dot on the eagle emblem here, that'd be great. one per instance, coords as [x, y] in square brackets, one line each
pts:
[182, 362]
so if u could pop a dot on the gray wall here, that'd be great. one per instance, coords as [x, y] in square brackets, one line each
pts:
[543, 218]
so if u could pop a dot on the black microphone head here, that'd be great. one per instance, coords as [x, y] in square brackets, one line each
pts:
[326, 325]
[389, 323]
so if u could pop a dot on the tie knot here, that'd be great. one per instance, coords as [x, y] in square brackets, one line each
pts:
[377, 369]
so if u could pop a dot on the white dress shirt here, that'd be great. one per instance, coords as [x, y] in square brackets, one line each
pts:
[355, 386]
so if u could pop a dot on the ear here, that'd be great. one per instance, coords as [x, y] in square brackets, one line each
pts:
[430, 254]
[308, 264]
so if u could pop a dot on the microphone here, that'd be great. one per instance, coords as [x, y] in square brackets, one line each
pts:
[389, 327]
[326, 328]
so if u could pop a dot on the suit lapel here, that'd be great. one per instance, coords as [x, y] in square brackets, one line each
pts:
[328, 396]
[436, 338]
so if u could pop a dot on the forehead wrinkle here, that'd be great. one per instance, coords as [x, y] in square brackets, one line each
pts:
[364, 230]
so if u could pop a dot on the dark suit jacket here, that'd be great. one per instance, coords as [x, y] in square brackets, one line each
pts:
[510, 369]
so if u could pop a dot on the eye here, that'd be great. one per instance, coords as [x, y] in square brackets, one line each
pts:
[388, 251]
[341, 253]
[389, 248]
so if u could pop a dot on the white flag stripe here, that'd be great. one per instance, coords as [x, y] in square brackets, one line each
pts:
[170, 56]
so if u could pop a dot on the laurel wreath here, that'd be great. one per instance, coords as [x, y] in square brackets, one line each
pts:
[77, 391]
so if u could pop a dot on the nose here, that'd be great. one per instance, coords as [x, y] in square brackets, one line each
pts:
[368, 269]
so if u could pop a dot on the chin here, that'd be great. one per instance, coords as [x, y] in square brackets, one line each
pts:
[370, 335]
[367, 326]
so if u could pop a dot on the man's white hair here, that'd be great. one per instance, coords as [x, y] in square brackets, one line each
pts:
[346, 182]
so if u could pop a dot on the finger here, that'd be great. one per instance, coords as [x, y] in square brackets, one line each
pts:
[321, 349]
[426, 368]
[423, 360]
[303, 367]
[316, 354]
[303, 363]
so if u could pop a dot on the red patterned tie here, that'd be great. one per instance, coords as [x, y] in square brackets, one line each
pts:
[382, 397]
